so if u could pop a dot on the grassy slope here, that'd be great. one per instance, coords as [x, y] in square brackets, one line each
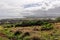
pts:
[35, 31]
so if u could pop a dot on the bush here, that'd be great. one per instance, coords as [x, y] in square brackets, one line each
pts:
[8, 33]
[25, 34]
[11, 35]
[35, 38]
[58, 19]
[27, 38]
[17, 33]
[46, 26]
[2, 38]
[7, 25]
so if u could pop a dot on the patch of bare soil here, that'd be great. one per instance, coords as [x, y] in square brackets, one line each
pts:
[2, 35]
[57, 25]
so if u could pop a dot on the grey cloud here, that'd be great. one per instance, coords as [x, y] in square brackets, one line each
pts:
[49, 13]
[11, 9]
[9, 13]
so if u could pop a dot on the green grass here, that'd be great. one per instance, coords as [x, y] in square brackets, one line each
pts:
[3, 38]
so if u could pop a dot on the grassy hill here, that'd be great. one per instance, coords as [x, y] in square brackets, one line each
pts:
[30, 30]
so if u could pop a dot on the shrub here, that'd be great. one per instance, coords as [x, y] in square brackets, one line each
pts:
[39, 22]
[27, 38]
[7, 25]
[46, 26]
[11, 35]
[2, 38]
[35, 38]
[8, 33]
[25, 34]
[17, 33]
[16, 36]
[57, 19]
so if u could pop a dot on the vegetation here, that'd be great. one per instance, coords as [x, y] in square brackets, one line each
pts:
[58, 19]
[46, 26]
[24, 23]
[30, 30]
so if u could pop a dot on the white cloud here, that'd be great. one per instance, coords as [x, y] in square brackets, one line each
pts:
[17, 7]
[44, 4]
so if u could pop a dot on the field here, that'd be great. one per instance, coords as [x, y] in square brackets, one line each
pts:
[47, 31]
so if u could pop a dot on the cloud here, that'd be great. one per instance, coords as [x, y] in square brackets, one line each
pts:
[49, 13]
[10, 9]
[43, 5]
[21, 8]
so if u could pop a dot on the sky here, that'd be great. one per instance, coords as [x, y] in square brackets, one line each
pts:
[22, 8]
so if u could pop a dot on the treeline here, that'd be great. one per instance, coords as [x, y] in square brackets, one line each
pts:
[25, 23]
[28, 23]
